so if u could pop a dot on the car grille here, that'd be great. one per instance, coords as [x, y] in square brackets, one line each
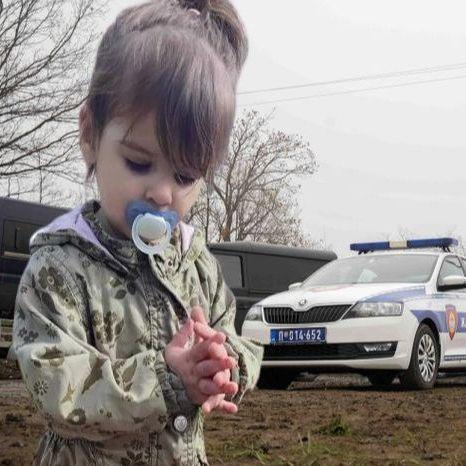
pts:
[317, 314]
[322, 352]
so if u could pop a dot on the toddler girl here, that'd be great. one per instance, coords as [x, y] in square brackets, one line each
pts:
[125, 343]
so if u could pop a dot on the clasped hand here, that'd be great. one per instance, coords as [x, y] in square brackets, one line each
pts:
[204, 367]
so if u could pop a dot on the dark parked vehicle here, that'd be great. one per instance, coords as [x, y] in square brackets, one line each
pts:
[252, 270]
[18, 221]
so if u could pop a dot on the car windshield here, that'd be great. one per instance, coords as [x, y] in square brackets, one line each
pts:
[393, 268]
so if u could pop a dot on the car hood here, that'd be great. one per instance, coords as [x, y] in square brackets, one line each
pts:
[302, 298]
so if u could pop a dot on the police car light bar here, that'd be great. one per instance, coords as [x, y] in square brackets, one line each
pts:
[443, 243]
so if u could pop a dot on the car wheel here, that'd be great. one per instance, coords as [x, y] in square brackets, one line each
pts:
[306, 377]
[276, 379]
[425, 356]
[381, 378]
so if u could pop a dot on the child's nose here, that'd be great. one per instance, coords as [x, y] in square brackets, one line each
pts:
[160, 192]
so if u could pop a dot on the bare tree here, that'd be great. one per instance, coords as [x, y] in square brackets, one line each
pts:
[253, 195]
[45, 47]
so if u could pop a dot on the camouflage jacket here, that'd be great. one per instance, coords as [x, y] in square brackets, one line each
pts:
[93, 316]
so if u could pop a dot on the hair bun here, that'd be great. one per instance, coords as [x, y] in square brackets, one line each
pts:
[224, 30]
[202, 6]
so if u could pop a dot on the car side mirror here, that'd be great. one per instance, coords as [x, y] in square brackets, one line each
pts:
[294, 286]
[452, 282]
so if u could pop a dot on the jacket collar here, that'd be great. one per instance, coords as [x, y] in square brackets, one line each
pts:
[86, 228]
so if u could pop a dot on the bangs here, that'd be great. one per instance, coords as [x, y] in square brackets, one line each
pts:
[179, 79]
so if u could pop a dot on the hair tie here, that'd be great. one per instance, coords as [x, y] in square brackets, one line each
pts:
[194, 12]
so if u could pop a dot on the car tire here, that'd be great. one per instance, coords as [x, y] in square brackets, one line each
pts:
[425, 356]
[276, 379]
[305, 376]
[381, 378]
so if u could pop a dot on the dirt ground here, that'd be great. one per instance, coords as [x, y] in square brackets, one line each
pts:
[334, 420]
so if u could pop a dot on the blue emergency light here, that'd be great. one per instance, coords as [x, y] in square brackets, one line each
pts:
[443, 243]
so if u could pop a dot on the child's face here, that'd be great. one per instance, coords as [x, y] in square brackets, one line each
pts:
[132, 168]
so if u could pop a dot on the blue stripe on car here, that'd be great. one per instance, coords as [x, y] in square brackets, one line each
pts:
[439, 318]
[399, 295]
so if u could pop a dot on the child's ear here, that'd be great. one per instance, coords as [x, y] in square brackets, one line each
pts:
[85, 136]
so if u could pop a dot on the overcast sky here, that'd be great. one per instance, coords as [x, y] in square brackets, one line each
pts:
[390, 159]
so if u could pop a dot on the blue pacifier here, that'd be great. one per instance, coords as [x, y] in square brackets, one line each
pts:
[151, 229]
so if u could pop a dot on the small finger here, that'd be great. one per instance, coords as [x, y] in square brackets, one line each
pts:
[184, 334]
[197, 314]
[228, 407]
[222, 377]
[204, 330]
[230, 388]
[214, 403]
[210, 367]
[201, 350]
[210, 404]
[197, 335]
[217, 350]
[209, 387]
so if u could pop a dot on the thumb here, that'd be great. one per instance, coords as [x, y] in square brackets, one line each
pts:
[184, 334]
[197, 314]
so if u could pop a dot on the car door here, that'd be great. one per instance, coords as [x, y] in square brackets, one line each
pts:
[233, 272]
[453, 305]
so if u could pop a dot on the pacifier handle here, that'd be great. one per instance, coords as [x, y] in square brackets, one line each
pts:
[154, 229]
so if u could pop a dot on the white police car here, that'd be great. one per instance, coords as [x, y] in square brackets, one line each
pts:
[390, 311]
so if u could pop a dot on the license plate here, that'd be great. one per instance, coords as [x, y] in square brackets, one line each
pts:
[297, 335]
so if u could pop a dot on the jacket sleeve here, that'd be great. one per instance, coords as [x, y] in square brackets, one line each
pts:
[77, 388]
[247, 352]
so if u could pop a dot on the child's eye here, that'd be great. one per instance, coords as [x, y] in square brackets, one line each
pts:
[184, 180]
[138, 167]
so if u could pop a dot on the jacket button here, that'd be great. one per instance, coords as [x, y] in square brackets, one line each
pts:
[180, 423]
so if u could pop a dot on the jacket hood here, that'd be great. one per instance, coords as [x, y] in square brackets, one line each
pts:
[74, 227]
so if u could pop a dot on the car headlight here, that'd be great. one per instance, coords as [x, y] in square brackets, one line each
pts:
[255, 313]
[375, 310]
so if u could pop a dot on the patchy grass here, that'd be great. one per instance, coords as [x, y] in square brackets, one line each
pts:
[306, 451]
[339, 421]
[336, 427]
[242, 450]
